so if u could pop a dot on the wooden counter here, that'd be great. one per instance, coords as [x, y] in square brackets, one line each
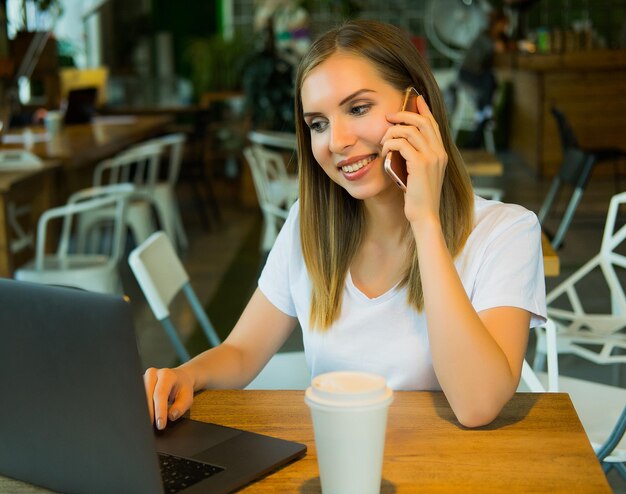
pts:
[587, 86]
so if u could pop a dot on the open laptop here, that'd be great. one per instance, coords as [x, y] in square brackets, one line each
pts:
[74, 416]
[81, 105]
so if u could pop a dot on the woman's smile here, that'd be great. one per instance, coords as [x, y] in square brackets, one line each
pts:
[355, 168]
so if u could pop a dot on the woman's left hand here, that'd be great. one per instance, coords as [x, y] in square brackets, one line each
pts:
[418, 140]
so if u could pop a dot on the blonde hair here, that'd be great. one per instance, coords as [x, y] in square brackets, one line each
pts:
[331, 221]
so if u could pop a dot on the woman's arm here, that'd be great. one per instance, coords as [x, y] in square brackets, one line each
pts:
[258, 334]
[477, 357]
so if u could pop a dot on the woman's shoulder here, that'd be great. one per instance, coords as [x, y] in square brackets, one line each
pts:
[496, 215]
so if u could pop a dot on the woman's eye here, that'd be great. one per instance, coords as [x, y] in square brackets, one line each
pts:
[360, 109]
[318, 126]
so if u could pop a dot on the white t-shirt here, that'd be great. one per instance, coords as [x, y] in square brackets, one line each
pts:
[500, 265]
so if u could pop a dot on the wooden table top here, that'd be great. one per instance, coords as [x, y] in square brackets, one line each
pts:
[482, 163]
[81, 144]
[551, 263]
[536, 445]
[10, 178]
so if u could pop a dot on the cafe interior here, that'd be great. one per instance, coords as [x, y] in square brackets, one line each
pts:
[148, 150]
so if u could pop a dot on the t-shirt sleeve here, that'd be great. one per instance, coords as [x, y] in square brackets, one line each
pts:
[274, 280]
[511, 272]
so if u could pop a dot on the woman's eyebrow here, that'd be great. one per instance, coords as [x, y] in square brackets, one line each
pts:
[354, 95]
[343, 101]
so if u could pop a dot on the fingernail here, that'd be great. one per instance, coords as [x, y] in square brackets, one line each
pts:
[174, 414]
[159, 423]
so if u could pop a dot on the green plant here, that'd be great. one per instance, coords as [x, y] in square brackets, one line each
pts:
[216, 64]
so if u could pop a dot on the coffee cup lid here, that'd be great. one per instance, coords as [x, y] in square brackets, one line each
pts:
[348, 389]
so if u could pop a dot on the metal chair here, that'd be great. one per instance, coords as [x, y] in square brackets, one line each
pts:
[162, 276]
[276, 190]
[575, 172]
[71, 267]
[139, 166]
[163, 185]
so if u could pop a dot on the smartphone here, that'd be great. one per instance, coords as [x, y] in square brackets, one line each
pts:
[395, 164]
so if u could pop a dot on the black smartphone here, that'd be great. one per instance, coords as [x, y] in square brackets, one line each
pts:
[395, 164]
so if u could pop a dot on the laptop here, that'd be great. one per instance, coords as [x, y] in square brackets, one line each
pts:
[74, 416]
[81, 105]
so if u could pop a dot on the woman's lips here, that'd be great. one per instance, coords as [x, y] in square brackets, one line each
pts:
[354, 169]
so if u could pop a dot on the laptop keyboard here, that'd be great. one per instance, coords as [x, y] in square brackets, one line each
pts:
[179, 473]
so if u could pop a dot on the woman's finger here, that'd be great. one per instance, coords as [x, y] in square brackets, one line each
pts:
[149, 381]
[165, 386]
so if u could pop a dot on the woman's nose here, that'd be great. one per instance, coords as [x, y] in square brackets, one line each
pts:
[341, 136]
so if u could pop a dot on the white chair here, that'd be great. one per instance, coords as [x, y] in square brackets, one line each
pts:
[600, 407]
[276, 190]
[164, 191]
[95, 272]
[490, 193]
[286, 370]
[162, 276]
[598, 337]
[139, 166]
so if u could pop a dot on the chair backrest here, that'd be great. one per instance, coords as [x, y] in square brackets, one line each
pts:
[595, 335]
[271, 202]
[566, 133]
[138, 165]
[159, 272]
[80, 203]
[530, 379]
[162, 276]
[172, 145]
[272, 162]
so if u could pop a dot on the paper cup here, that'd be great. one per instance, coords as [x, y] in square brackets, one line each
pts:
[53, 122]
[349, 412]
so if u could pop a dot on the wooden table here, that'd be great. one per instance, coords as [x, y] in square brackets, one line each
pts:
[481, 163]
[80, 147]
[536, 445]
[551, 263]
[73, 154]
[35, 187]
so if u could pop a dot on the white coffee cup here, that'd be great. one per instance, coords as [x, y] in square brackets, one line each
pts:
[349, 412]
[53, 121]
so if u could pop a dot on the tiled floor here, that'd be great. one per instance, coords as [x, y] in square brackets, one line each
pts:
[211, 252]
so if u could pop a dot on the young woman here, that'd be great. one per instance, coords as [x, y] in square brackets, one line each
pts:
[432, 289]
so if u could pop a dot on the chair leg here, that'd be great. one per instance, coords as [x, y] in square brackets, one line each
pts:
[205, 323]
[174, 338]
[547, 203]
[567, 217]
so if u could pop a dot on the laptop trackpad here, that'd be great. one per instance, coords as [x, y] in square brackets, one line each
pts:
[186, 437]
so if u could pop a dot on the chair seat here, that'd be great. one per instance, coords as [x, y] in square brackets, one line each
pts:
[89, 272]
[287, 370]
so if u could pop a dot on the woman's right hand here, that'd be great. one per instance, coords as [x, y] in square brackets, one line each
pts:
[169, 393]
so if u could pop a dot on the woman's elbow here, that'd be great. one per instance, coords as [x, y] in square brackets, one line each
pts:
[480, 412]
[477, 416]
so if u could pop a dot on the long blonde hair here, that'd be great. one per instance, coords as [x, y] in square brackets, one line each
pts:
[331, 221]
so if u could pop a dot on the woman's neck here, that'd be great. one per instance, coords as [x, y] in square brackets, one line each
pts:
[385, 222]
